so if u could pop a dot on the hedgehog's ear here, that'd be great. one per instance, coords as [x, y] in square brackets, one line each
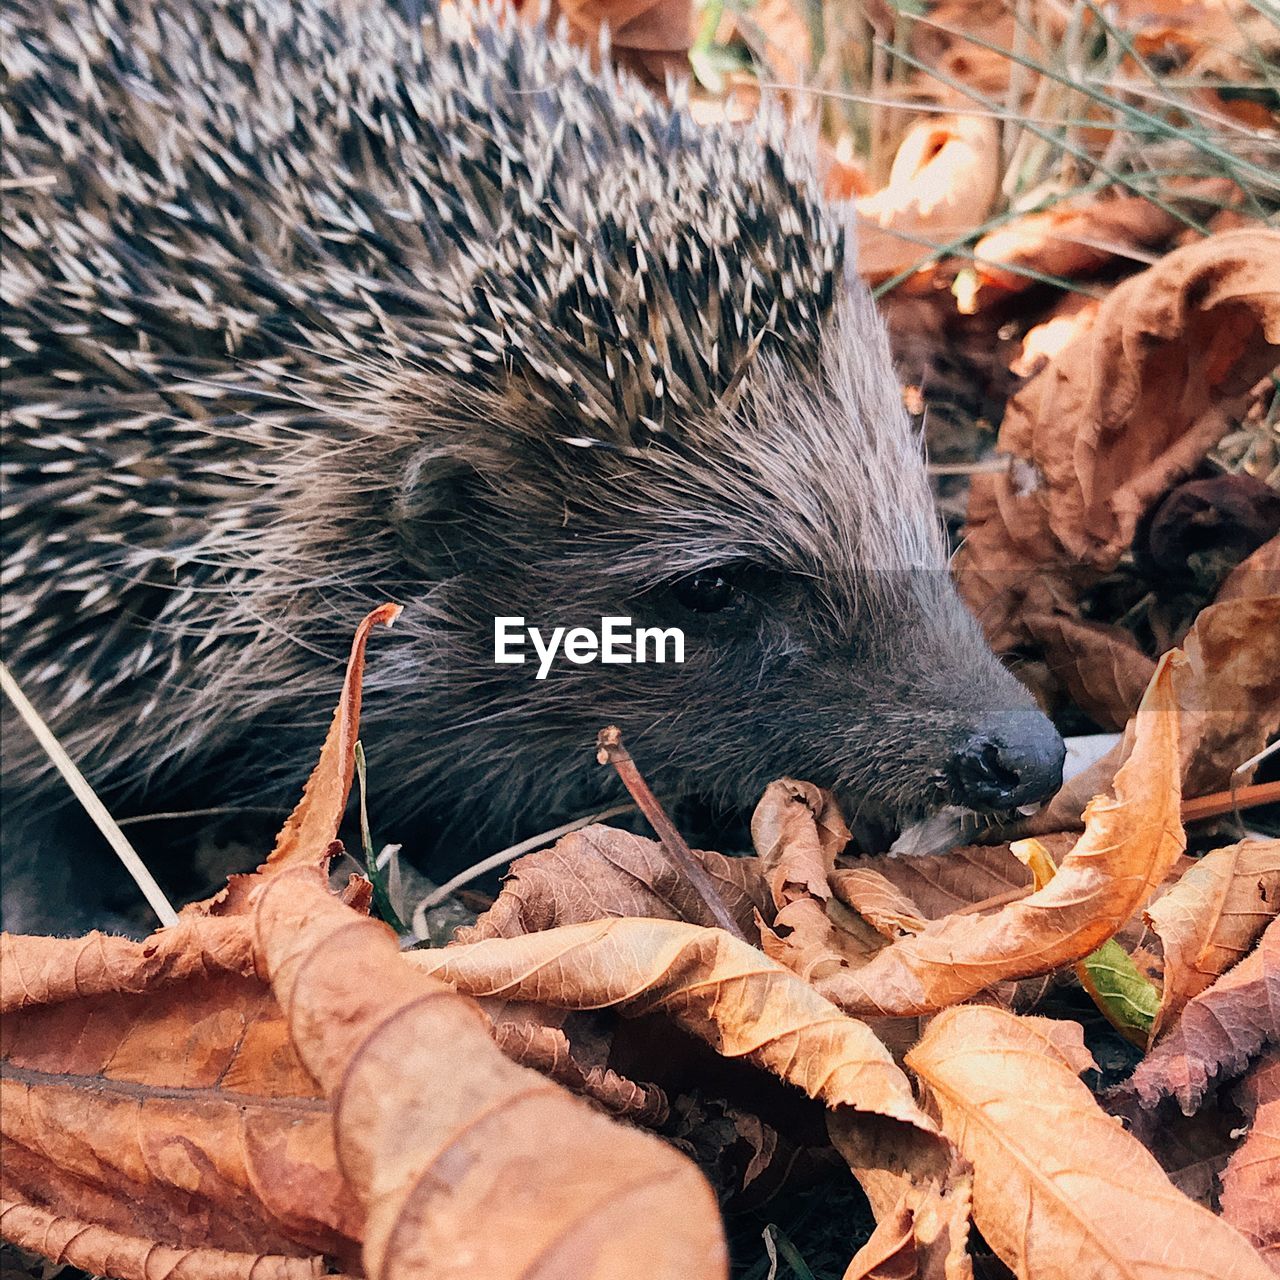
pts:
[435, 489]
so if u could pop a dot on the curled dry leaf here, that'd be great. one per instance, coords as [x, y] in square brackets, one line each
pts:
[1251, 1180]
[1219, 1030]
[600, 872]
[924, 1238]
[1127, 409]
[313, 825]
[1128, 847]
[1060, 1190]
[547, 1050]
[1228, 707]
[68, 1241]
[491, 1171]
[1212, 917]
[797, 830]
[942, 184]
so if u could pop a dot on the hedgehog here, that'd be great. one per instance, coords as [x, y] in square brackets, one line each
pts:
[309, 307]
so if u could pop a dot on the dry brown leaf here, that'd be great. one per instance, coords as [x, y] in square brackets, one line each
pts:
[1219, 1030]
[648, 37]
[924, 1238]
[1212, 917]
[1125, 411]
[941, 883]
[1101, 668]
[547, 1050]
[1228, 708]
[1128, 847]
[1060, 1190]
[878, 900]
[1251, 1180]
[68, 1241]
[313, 824]
[798, 830]
[723, 991]
[491, 1170]
[150, 1090]
[1234, 708]
[1078, 237]
[739, 1002]
[942, 184]
[600, 872]
[890, 1253]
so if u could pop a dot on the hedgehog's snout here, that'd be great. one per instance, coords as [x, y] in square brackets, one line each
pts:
[1011, 760]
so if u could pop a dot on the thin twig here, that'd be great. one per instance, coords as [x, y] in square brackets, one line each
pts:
[611, 751]
[503, 856]
[89, 798]
[1223, 802]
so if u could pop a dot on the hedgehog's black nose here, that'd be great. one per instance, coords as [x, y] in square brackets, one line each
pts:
[1014, 759]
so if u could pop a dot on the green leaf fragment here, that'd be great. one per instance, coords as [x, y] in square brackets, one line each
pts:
[1127, 999]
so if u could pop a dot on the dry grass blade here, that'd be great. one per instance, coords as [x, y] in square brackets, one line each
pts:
[93, 806]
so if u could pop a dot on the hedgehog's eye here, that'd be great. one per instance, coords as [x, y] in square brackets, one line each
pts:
[707, 591]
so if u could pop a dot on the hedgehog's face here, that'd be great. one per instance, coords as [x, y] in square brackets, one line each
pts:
[874, 683]
[795, 545]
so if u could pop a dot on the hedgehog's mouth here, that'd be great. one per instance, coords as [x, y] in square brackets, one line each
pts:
[935, 827]
[952, 826]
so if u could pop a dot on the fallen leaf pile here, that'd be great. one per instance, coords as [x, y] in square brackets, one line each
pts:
[1101, 495]
[272, 1087]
